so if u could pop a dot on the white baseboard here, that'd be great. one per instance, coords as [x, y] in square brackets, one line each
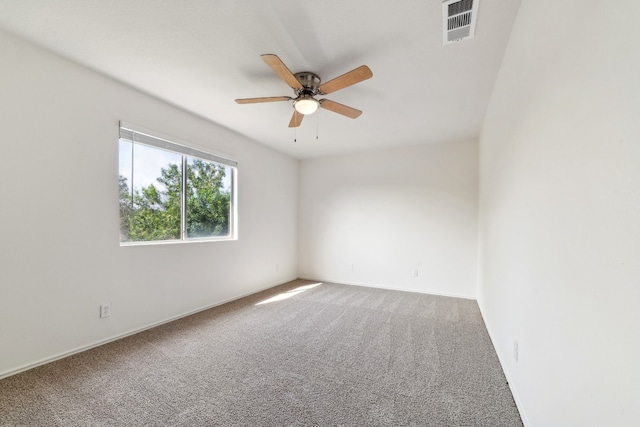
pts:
[512, 387]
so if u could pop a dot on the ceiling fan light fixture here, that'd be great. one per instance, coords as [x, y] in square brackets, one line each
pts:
[306, 85]
[306, 105]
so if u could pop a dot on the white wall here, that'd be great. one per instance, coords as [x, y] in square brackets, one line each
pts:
[59, 226]
[560, 213]
[375, 218]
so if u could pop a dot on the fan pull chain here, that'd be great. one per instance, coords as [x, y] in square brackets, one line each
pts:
[317, 124]
[295, 134]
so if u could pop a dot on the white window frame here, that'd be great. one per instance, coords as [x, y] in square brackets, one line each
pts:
[139, 135]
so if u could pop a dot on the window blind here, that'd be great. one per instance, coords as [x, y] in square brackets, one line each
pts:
[141, 136]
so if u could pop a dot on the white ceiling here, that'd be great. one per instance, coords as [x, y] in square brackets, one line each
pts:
[202, 54]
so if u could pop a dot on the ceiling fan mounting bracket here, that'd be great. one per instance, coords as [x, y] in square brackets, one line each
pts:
[309, 81]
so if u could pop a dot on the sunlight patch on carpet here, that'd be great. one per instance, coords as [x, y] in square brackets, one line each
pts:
[289, 294]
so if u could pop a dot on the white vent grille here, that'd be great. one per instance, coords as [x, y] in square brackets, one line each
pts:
[458, 20]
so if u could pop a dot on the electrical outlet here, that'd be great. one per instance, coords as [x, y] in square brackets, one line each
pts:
[515, 350]
[105, 310]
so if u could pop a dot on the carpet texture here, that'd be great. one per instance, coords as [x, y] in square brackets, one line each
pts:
[299, 354]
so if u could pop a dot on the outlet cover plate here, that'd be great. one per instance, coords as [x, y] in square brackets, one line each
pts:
[105, 310]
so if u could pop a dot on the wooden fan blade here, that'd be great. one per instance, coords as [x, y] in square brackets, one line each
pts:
[281, 70]
[347, 79]
[296, 119]
[336, 107]
[265, 99]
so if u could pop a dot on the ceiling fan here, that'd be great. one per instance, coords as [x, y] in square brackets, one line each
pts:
[306, 86]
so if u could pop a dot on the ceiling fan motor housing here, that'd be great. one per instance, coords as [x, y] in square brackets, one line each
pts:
[309, 81]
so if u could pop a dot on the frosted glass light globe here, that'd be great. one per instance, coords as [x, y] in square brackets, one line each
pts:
[306, 106]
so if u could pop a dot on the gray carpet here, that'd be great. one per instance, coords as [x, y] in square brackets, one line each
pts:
[329, 355]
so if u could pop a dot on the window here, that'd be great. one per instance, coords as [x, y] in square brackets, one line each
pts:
[170, 192]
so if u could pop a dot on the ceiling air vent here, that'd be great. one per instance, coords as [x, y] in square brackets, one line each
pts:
[458, 20]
